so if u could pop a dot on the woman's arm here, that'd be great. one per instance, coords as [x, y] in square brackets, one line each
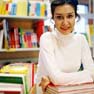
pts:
[87, 59]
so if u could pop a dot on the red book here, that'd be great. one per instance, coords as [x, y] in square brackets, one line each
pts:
[16, 37]
[39, 29]
[10, 92]
[11, 38]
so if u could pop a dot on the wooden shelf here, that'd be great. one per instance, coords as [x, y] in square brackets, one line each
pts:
[22, 17]
[19, 49]
[19, 55]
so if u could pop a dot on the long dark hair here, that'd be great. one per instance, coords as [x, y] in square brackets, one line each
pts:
[56, 3]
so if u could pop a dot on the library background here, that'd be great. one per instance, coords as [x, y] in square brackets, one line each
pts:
[24, 21]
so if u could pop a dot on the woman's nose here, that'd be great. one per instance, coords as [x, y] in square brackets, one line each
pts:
[65, 21]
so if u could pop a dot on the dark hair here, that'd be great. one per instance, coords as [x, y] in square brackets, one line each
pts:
[56, 3]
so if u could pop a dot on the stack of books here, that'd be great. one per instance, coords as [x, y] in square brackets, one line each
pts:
[17, 78]
[86, 88]
[12, 84]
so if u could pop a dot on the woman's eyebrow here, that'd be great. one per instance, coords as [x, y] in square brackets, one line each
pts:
[63, 13]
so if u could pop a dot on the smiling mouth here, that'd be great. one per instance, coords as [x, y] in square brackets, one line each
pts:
[65, 29]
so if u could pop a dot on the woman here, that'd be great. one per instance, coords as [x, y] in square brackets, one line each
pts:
[62, 52]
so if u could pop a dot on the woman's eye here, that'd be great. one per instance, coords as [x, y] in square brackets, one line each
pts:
[69, 16]
[59, 17]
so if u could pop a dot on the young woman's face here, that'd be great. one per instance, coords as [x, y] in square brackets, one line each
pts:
[64, 17]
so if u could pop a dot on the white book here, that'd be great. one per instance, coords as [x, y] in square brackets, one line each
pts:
[5, 28]
[11, 87]
[1, 38]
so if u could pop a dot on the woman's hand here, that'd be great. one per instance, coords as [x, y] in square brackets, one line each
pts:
[44, 83]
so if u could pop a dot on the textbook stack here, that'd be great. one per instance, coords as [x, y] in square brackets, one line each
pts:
[17, 78]
[86, 88]
[12, 84]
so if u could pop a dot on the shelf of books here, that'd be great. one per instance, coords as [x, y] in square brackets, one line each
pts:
[91, 24]
[86, 23]
[23, 24]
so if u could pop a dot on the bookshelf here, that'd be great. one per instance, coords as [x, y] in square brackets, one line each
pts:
[89, 17]
[29, 21]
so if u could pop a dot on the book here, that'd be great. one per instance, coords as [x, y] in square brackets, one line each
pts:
[86, 91]
[1, 38]
[10, 92]
[22, 8]
[5, 28]
[14, 79]
[10, 88]
[70, 89]
[91, 30]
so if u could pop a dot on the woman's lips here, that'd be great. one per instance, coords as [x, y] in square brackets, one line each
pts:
[64, 29]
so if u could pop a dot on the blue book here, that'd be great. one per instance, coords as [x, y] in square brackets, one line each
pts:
[37, 9]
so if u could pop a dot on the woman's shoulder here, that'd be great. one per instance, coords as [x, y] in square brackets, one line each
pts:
[80, 36]
[46, 36]
[46, 41]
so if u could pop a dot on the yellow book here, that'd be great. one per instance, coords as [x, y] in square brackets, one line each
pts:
[15, 69]
[91, 29]
[24, 9]
[42, 10]
[1, 5]
[3, 9]
[21, 8]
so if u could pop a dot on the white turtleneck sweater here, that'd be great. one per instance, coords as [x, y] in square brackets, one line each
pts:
[61, 56]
